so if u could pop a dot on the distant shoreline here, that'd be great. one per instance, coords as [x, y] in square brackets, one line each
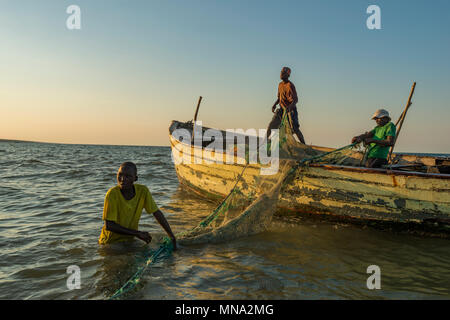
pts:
[81, 144]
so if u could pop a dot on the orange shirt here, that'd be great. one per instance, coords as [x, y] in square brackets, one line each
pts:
[287, 93]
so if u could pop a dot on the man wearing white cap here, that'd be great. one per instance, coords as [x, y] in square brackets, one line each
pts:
[380, 139]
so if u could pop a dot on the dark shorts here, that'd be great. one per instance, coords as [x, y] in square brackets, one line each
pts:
[294, 118]
[376, 163]
[278, 116]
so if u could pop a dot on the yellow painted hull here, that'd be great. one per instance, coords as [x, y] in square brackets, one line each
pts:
[352, 193]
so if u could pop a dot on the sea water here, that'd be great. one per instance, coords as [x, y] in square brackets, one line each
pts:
[52, 195]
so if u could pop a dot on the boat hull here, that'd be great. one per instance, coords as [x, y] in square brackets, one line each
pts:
[336, 192]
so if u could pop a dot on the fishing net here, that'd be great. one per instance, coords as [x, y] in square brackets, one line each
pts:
[249, 206]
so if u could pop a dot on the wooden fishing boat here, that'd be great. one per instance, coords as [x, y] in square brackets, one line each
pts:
[413, 195]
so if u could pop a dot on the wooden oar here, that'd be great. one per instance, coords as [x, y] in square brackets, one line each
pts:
[400, 120]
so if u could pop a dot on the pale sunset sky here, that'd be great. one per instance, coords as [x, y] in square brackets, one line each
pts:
[136, 65]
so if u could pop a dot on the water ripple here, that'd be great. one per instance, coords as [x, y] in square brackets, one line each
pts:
[51, 216]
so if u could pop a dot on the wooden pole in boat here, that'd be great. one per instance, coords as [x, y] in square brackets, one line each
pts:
[196, 110]
[401, 119]
[195, 118]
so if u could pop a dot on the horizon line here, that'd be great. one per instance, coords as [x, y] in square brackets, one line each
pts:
[168, 146]
[85, 144]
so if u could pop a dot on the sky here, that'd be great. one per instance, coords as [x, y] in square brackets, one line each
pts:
[134, 66]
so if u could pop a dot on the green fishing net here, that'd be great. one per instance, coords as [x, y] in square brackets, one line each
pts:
[249, 206]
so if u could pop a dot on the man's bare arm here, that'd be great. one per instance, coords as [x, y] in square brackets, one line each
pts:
[275, 105]
[362, 137]
[163, 222]
[117, 228]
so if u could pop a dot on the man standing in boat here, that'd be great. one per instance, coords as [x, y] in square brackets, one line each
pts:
[287, 99]
[380, 139]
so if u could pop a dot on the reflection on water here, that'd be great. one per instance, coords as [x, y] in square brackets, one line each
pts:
[50, 218]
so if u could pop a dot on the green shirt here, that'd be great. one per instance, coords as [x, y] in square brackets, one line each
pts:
[381, 133]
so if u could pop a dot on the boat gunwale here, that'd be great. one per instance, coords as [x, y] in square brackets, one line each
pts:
[338, 167]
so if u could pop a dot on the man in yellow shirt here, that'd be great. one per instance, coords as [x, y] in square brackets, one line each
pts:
[123, 207]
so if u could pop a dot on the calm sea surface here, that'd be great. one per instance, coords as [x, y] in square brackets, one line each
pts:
[51, 198]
